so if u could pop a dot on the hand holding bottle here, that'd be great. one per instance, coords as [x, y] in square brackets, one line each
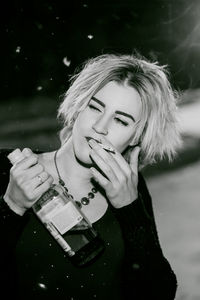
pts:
[28, 181]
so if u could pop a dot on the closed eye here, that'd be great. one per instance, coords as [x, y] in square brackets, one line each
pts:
[93, 107]
[122, 122]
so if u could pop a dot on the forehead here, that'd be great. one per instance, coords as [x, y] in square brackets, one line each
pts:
[121, 97]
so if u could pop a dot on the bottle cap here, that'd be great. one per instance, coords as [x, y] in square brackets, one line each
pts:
[15, 156]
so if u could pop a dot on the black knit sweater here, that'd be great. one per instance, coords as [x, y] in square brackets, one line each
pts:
[146, 272]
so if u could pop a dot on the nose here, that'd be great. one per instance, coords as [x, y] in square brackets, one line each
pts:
[101, 126]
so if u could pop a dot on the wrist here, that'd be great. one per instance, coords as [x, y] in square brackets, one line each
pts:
[13, 206]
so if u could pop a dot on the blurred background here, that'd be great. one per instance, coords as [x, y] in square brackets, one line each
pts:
[42, 42]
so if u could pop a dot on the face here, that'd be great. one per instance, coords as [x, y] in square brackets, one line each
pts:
[112, 113]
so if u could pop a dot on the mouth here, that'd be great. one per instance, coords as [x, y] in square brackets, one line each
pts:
[88, 138]
[107, 148]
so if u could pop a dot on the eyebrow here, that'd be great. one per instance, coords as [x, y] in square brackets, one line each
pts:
[117, 111]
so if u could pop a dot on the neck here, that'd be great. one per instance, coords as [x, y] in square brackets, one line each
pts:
[77, 179]
[69, 168]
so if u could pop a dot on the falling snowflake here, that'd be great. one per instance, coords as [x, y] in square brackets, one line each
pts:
[39, 88]
[66, 61]
[42, 286]
[18, 49]
[90, 36]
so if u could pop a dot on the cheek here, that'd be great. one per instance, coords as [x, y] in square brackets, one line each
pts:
[122, 146]
[119, 143]
[83, 121]
[78, 125]
[121, 139]
[77, 133]
[81, 129]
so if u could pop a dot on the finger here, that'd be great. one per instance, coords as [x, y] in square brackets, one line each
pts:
[116, 156]
[39, 179]
[98, 177]
[34, 171]
[105, 168]
[41, 189]
[134, 159]
[27, 162]
[107, 157]
[106, 145]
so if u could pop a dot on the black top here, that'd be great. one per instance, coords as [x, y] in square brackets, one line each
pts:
[131, 267]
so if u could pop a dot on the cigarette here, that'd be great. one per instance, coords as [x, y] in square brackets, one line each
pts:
[107, 148]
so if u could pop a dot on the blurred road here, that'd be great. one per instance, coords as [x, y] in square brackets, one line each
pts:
[190, 119]
[176, 201]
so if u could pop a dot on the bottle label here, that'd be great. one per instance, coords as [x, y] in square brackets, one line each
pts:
[65, 217]
[66, 247]
[45, 199]
[46, 208]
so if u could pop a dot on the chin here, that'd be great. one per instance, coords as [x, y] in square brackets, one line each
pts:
[84, 159]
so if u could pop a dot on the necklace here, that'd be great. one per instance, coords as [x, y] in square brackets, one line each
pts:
[84, 200]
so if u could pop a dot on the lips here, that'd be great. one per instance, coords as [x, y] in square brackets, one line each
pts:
[88, 138]
[107, 148]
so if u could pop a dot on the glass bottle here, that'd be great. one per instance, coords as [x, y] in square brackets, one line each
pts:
[66, 222]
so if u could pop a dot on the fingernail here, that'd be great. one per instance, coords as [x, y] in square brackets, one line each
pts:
[26, 151]
[92, 142]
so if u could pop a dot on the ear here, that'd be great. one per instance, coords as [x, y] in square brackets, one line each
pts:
[133, 143]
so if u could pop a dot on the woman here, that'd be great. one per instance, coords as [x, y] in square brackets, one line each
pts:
[126, 105]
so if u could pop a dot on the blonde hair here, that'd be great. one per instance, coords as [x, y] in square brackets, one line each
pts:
[157, 130]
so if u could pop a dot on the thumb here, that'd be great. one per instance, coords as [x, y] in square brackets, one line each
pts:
[27, 152]
[134, 159]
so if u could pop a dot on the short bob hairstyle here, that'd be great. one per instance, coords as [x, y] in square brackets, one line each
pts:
[157, 131]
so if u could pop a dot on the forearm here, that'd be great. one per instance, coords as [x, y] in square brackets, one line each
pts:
[138, 228]
[13, 206]
[145, 266]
